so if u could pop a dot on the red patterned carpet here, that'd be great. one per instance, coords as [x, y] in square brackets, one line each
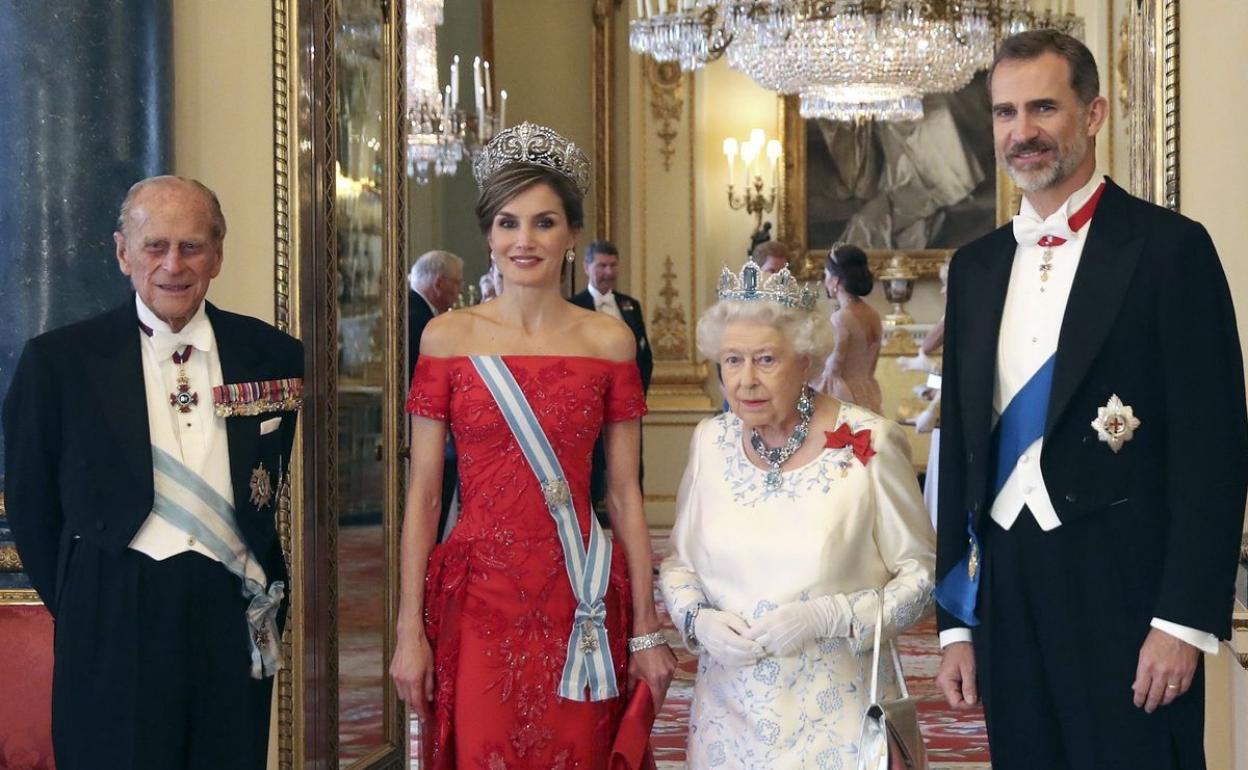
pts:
[955, 740]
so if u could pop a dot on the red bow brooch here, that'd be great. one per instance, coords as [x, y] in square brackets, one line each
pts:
[859, 441]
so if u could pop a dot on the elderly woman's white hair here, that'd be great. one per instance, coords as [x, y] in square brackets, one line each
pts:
[809, 333]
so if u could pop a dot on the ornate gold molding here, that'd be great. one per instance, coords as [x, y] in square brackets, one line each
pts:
[1154, 82]
[666, 106]
[19, 596]
[925, 262]
[670, 330]
[603, 104]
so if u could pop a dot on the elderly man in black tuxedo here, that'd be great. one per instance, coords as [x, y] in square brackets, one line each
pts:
[602, 264]
[146, 455]
[1093, 448]
[434, 284]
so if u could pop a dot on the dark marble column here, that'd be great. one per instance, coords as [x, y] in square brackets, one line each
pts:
[85, 111]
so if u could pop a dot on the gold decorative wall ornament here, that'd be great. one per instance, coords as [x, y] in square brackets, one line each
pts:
[669, 329]
[666, 105]
[9, 560]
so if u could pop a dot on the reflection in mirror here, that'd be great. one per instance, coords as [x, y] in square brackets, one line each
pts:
[361, 379]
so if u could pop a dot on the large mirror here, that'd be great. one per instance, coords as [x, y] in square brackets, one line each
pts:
[365, 400]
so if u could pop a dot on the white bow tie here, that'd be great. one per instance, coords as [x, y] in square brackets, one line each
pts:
[1028, 229]
[166, 343]
[605, 299]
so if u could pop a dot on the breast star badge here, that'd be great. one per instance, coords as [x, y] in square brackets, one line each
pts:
[261, 487]
[1115, 423]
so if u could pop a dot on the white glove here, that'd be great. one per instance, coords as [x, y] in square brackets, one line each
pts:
[722, 635]
[919, 363]
[925, 422]
[790, 627]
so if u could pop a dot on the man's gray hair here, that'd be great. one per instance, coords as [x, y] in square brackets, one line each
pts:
[431, 266]
[809, 333]
[169, 180]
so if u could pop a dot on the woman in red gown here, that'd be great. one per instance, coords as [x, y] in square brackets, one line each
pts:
[485, 618]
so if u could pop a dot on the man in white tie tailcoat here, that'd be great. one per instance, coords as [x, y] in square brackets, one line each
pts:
[602, 264]
[1094, 448]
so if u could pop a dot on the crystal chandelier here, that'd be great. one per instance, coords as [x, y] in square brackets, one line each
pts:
[440, 134]
[846, 59]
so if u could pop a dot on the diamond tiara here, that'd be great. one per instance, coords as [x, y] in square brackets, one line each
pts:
[531, 143]
[753, 285]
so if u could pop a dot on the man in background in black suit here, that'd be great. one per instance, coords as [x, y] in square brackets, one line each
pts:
[602, 262]
[1094, 448]
[146, 454]
[435, 281]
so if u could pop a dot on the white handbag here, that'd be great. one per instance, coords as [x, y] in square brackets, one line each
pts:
[890, 738]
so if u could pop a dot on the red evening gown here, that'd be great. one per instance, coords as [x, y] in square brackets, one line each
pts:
[498, 604]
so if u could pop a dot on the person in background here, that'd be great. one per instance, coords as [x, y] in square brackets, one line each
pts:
[849, 374]
[929, 420]
[771, 256]
[435, 281]
[602, 264]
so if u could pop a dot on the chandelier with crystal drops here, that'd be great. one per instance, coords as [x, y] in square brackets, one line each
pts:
[845, 59]
[439, 133]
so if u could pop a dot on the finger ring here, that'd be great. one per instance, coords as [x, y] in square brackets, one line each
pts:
[1172, 687]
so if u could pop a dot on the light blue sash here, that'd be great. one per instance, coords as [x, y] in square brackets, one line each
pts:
[1020, 425]
[192, 505]
[589, 664]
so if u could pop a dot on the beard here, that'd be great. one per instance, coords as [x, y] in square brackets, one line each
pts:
[1066, 159]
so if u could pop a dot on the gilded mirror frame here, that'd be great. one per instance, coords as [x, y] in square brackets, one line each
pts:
[1149, 66]
[305, 240]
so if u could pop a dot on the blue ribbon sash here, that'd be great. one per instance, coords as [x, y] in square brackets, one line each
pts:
[1021, 424]
[589, 664]
[188, 502]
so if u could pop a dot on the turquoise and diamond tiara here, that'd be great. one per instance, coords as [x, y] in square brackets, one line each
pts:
[531, 143]
[754, 285]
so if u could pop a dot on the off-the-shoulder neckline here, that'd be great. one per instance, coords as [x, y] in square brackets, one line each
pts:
[599, 359]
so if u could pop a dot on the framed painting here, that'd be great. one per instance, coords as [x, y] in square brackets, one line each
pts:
[922, 187]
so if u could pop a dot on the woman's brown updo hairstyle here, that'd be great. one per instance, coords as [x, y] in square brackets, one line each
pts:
[511, 180]
[849, 264]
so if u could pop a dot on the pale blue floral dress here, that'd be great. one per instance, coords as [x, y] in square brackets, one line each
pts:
[834, 526]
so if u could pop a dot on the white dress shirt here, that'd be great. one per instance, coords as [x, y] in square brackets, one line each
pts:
[1030, 324]
[198, 437]
[605, 303]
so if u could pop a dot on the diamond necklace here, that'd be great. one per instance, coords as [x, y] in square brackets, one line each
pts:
[776, 457]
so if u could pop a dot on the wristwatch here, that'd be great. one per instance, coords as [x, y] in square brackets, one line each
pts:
[691, 618]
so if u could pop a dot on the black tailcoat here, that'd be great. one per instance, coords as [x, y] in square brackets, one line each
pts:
[79, 485]
[630, 310]
[1157, 524]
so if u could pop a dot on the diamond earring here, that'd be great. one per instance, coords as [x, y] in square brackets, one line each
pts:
[570, 255]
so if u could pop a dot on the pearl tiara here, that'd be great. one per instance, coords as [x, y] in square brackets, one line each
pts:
[753, 285]
[531, 143]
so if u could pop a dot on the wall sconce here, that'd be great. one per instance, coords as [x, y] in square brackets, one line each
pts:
[752, 152]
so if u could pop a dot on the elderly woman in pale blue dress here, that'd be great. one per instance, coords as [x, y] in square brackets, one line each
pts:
[794, 510]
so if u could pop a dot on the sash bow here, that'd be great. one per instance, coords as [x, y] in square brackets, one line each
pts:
[266, 656]
[859, 441]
